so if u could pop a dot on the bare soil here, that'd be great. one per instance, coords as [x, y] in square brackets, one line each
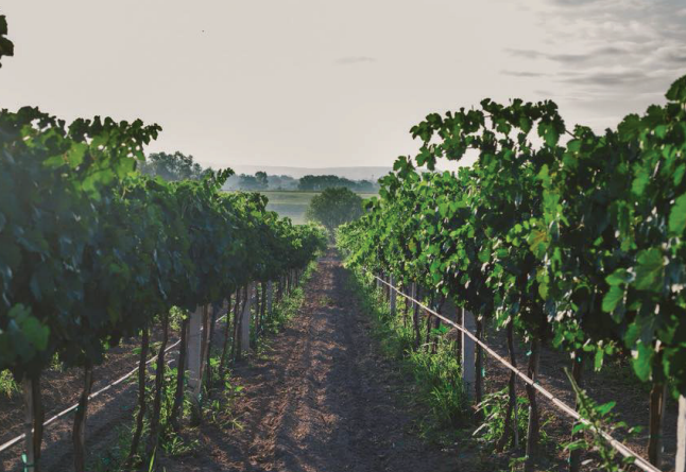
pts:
[319, 399]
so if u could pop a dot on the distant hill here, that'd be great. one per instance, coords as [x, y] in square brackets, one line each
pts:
[352, 173]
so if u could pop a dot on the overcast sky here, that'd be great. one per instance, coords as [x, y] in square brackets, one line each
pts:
[333, 83]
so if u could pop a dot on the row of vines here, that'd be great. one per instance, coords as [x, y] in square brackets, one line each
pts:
[570, 238]
[92, 252]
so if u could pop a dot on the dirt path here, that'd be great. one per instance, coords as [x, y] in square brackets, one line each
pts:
[319, 400]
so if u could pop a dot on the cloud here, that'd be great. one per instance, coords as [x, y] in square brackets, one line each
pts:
[605, 78]
[526, 53]
[350, 60]
[607, 55]
[515, 73]
[574, 3]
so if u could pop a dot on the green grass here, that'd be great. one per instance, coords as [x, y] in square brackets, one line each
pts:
[289, 306]
[438, 376]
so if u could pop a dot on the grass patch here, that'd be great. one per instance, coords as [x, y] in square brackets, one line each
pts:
[289, 306]
[438, 375]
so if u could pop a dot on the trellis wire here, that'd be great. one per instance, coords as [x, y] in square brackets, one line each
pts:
[639, 461]
[62, 413]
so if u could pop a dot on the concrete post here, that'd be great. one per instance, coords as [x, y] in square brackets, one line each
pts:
[468, 356]
[245, 318]
[393, 296]
[681, 436]
[194, 353]
[28, 424]
[270, 298]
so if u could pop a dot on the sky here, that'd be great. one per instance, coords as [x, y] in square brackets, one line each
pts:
[319, 83]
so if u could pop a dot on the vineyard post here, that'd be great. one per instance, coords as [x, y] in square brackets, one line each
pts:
[263, 309]
[155, 414]
[658, 400]
[479, 369]
[195, 360]
[578, 358]
[217, 308]
[256, 316]
[245, 319]
[681, 436]
[468, 354]
[180, 376]
[30, 465]
[143, 357]
[227, 338]
[511, 417]
[408, 305]
[392, 295]
[270, 297]
[415, 319]
[79, 428]
[533, 426]
[204, 345]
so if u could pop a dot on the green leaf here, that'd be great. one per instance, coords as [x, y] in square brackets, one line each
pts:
[618, 277]
[76, 153]
[549, 134]
[640, 182]
[605, 408]
[612, 299]
[598, 359]
[643, 361]
[650, 270]
[677, 216]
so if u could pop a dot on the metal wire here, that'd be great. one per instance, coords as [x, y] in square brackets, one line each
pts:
[62, 413]
[639, 461]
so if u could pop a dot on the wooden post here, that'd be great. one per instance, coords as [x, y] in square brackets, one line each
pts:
[28, 424]
[79, 429]
[681, 436]
[393, 295]
[468, 354]
[194, 356]
[245, 319]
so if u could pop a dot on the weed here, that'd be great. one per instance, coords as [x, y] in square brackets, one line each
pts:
[598, 418]
[438, 375]
[8, 386]
[493, 409]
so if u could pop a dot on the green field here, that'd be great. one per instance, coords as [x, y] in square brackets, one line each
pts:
[294, 204]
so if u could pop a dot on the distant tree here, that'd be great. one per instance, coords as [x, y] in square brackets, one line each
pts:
[177, 166]
[317, 183]
[366, 186]
[259, 181]
[262, 180]
[335, 206]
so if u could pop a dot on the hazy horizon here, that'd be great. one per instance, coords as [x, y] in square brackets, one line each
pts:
[312, 84]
